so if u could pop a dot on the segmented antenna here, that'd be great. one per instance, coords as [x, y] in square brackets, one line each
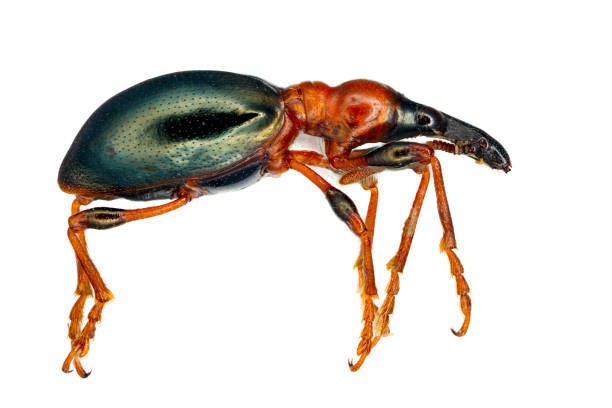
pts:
[440, 145]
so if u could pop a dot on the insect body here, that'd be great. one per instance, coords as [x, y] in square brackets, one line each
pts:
[188, 134]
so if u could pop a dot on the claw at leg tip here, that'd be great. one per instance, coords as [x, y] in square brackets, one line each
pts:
[459, 333]
[353, 367]
[82, 373]
[357, 366]
[79, 368]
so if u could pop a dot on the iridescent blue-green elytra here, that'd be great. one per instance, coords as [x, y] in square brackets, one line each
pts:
[146, 141]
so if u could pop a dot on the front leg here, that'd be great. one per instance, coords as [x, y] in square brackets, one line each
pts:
[448, 244]
[420, 158]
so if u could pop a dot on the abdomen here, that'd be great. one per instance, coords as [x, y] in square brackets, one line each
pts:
[144, 142]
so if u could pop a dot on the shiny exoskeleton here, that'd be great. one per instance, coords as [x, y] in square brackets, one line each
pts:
[188, 134]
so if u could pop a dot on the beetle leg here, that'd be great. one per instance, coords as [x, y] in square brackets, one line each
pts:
[83, 289]
[396, 264]
[102, 218]
[368, 184]
[80, 345]
[448, 243]
[347, 212]
[310, 158]
[350, 174]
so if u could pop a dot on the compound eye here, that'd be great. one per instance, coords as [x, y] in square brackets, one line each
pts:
[423, 119]
[483, 143]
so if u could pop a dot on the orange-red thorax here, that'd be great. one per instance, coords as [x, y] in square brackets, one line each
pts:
[351, 114]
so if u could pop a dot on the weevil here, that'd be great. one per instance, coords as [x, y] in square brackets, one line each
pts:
[184, 135]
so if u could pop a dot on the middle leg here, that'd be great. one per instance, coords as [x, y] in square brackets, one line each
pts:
[447, 245]
[345, 209]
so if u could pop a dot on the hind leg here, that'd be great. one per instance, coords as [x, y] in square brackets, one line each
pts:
[80, 344]
[100, 218]
[83, 289]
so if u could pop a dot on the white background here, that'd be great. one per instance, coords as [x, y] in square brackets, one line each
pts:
[248, 298]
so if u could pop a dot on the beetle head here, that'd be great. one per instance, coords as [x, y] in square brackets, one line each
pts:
[414, 119]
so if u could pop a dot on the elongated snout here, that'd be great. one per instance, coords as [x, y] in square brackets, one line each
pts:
[414, 119]
[476, 143]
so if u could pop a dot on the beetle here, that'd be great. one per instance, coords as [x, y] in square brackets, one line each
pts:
[184, 135]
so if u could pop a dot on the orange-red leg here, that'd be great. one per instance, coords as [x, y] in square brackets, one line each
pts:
[355, 171]
[397, 263]
[83, 289]
[347, 212]
[80, 344]
[310, 158]
[448, 243]
[100, 218]
[368, 184]
[354, 168]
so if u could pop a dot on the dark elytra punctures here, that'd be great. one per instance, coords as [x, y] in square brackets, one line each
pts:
[183, 135]
[146, 140]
